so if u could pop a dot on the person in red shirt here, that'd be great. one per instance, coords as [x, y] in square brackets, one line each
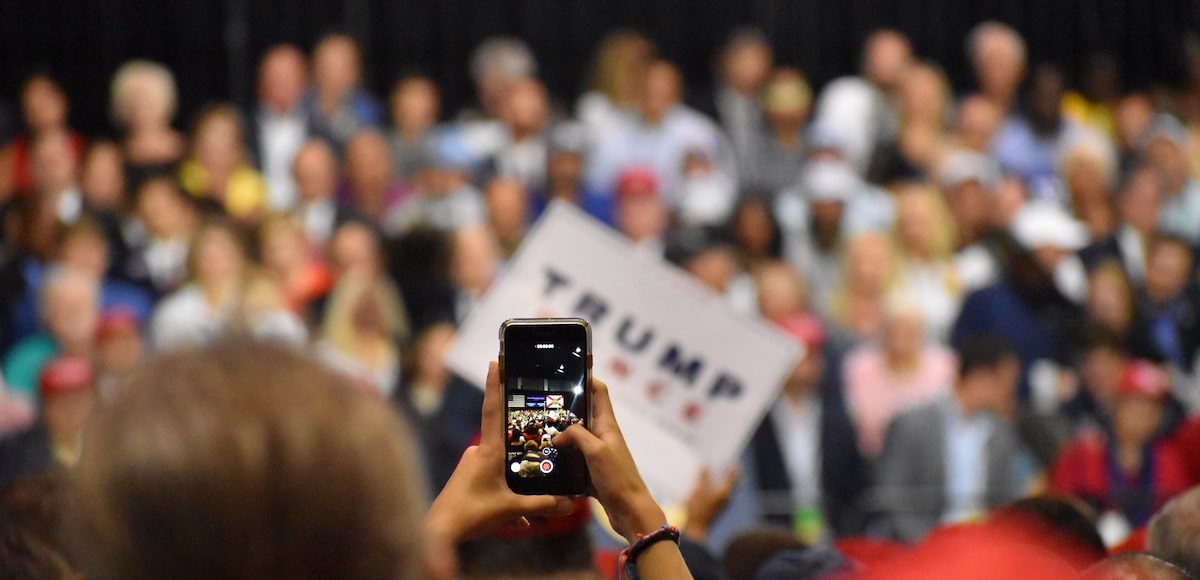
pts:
[1132, 470]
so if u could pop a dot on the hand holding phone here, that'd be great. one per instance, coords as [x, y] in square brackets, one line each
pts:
[545, 369]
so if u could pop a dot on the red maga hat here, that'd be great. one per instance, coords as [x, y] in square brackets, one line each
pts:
[66, 374]
[1142, 378]
[805, 329]
[116, 322]
[637, 182]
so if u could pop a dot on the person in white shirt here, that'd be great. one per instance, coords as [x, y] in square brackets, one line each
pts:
[316, 173]
[279, 123]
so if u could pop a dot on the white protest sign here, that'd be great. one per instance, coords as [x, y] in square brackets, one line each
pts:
[689, 378]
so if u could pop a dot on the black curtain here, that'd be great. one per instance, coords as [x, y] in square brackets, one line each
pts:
[213, 45]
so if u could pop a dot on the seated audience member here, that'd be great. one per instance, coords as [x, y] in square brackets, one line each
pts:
[474, 263]
[443, 197]
[706, 194]
[782, 293]
[1031, 146]
[742, 68]
[805, 458]
[508, 213]
[977, 121]
[567, 147]
[902, 370]
[1138, 205]
[858, 304]
[356, 250]
[371, 187]
[278, 123]
[69, 309]
[497, 64]
[1132, 470]
[1036, 304]
[640, 212]
[757, 236]
[290, 263]
[68, 395]
[263, 313]
[1111, 309]
[1166, 149]
[952, 459]
[315, 170]
[1169, 301]
[614, 80]
[202, 309]
[1175, 532]
[924, 240]
[119, 349]
[970, 183]
[44, 109]
[415, 106]
[361, 480]
[361, 332]
[776, 159]
[143, 105]
[519, 149]
[1135, 565]
[657, 136]
[55, 169]
[102, 178]
[217, 171]
[337, 104]
[1088, 170]
[1102, 357]
[168, 220]
[707, 255]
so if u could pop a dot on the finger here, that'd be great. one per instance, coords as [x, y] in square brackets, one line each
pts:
[580, 438]
[543, 505]
[491, 432]
[602, 411]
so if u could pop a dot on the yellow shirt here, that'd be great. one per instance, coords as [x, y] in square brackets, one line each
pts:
[245, 194]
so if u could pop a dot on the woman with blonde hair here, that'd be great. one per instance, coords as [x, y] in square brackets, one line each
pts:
[200, 310]
[143, 105]
[621, 60]
[362, 332]
[924, 245]
[217, 171]
[856, 306]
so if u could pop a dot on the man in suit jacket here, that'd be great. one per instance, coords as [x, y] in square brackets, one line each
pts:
[316, 171]
[278, 124]
[952, 459]
[805, 453]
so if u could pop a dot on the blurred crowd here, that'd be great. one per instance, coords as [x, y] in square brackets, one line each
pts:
[996, 291]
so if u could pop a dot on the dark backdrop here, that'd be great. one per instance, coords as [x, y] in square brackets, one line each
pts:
[212, 45]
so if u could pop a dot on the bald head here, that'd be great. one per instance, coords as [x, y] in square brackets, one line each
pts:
[998, 56]
[887, 57]
[337, 65]
[315, 170]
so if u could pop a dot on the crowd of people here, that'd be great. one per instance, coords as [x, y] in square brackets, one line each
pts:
[996, 291]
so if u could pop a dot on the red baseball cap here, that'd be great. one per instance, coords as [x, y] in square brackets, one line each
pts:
[637, 182]
[805, 329]
[117, 321]
[66, 374]
[1142, 378]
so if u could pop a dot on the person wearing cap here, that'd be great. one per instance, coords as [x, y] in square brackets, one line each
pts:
[566, 152]
[1167, 149]
[119, 348]
[640, 213]
[804, 460]
[1037, 303]
[1132, 469]
[68, 398]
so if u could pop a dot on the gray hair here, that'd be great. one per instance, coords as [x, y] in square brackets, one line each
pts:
[503, 55]
[157, 73]
[994, 29]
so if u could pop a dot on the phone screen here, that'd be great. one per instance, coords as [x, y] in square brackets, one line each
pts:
[545, 392]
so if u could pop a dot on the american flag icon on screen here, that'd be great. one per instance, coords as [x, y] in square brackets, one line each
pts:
[554, 401]
[516, 401]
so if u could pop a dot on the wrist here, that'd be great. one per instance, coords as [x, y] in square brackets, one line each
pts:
[644, 516]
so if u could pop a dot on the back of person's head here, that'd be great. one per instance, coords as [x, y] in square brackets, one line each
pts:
[245, 460]
[551, 548]
[1058, 522]
[1174, 533]
[983, 351]
[750, 550]
[1135, 566]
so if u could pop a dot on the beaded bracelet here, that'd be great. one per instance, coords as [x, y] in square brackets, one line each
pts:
[629, 555]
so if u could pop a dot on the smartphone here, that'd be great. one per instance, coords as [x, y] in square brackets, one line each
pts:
[545, 368]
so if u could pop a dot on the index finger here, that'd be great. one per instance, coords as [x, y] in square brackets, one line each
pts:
[490, 433]
[603, 417]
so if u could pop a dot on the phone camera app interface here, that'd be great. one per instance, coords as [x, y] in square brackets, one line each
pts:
[545, 386]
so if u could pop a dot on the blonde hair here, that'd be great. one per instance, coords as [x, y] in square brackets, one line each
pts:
[942, 234]
[337, 328]
[133, 70]
[839, 303]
